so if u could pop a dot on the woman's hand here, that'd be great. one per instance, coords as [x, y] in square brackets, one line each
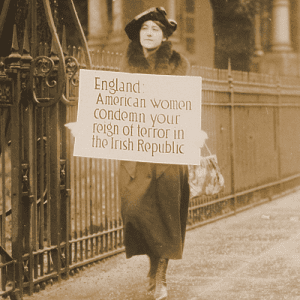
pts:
[74, 127]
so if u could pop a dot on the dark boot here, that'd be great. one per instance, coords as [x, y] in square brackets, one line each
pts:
[152, 272]
[161, 292]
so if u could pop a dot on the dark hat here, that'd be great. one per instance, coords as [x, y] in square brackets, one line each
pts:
[133, 28]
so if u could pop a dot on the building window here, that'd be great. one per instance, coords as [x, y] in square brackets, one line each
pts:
[190, 6]
[190, 25]
[190, 45]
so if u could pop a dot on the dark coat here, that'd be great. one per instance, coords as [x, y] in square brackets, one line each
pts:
[154, 197]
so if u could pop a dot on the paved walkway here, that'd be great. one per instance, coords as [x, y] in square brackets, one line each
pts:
[254, 255]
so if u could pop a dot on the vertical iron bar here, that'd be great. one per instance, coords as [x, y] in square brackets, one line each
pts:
[68, 190]
[27, 213]
[119, 204]
[106, 207]
[86, 200]
[41, 167]
[232, 133]
[76, 191]
[72, 198]
[3, 175]
[97, 194]
[65, 186]
[80, 207]
[101, 205]
[33, 191]
[3, 171]
[116, 203]
[48, 182]
[92, 199]
[110, 201]
[76, 197]
[16, 177]
[54, 144]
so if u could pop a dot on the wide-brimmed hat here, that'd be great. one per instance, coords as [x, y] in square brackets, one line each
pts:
[133, 28]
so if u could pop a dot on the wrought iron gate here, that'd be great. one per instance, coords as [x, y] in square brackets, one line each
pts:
[37, 77]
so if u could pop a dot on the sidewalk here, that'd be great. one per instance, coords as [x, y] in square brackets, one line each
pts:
[253, 255]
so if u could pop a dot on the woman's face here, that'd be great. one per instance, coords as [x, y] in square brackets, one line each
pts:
[151, 35]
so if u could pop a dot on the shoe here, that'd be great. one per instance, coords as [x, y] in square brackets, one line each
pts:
[161, 292]
[152, 272]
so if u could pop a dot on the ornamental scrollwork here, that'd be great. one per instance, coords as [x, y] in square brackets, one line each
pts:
[44, 76]
[43, 66]
[72, 67]
[5, 92]
[5, 87]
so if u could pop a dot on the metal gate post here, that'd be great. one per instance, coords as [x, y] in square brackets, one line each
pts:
[16, 176]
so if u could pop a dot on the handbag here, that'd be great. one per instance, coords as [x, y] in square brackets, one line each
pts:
[206, 178]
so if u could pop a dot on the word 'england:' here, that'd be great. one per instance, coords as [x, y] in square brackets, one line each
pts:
[115, 85]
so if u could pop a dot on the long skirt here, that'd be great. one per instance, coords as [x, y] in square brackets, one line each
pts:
[154, 208]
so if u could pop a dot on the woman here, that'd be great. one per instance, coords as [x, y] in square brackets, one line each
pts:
[154, 197]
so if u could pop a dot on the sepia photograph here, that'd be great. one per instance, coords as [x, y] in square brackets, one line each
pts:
[150, 150]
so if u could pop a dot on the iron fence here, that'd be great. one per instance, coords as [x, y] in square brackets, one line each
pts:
[67, 214]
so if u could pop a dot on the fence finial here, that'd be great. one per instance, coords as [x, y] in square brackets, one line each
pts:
[14, 57]
[26, 57]
[229, 66]
[15, 46]
[53, 48]
[26, 48]
[230, 78]
[53, 51]
[64, 41]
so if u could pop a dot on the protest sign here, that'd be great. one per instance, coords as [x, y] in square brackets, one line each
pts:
[139, 117]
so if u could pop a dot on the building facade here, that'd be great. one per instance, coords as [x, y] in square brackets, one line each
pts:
[257, 35]
[277, 38]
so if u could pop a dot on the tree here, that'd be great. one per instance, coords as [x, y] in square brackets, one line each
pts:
[234, 32]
